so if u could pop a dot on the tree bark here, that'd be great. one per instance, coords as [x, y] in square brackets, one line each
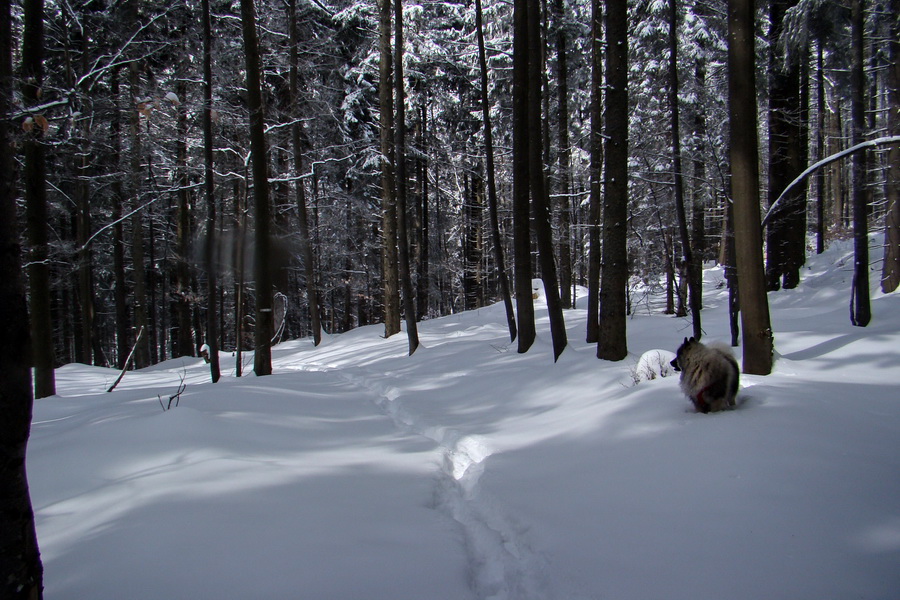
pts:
[890, 270]
[118, 194]
[860, 309]
[612, 343]
[596, 200]
[744, 153]
[389, 258]
[502, 279]
[564, 158]
[139, 301]
[21, 571]
[209, 182]
[262, 359]
[183, 342]
[521, 208]
[820, 148]
[409, 303]
[540, 201]
[784, 255]
[687, 258]
[306, 250]
[36, 213]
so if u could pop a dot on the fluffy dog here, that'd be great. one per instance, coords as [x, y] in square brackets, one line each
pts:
[709, 375]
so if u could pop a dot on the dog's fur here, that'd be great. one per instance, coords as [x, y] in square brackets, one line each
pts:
[709, 375]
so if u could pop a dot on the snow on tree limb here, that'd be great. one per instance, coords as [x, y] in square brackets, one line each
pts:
[882, 141]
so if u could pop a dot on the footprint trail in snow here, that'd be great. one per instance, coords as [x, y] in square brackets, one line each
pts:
[502, 566]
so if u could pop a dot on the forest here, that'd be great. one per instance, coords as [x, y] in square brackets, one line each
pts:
[196, 178]
[223, 176]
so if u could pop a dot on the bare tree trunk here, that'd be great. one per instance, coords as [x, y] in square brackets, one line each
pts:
[820, 149]
[612, 343]
[240, 224]
[409, 303]
[209, 182]
[262, 359]
[306, 250]
[785, 159]
[21, 571]
[890, 270]
[491, 183]
[596, 201]
[424, 278]
[687, 258]
[540, 201]
[84, 256]
[119, 231]
[744, 152]
[564, 157]
[183, 344]
[389, 259]
[139, 302]
[860, 309]
[36, 214]
[521, 208]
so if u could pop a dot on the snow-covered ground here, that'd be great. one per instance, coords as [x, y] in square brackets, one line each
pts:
[469, 471]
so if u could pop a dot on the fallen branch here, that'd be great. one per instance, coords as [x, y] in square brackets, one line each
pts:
[176, 396]
[127, 361]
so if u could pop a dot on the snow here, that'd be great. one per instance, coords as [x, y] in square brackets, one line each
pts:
[469, 471]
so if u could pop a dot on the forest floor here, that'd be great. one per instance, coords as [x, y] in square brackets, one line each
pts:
[469, 471]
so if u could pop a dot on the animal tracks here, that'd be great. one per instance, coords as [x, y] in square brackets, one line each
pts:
[501, 564]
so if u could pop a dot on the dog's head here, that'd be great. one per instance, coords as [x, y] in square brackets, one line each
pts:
[679, 354]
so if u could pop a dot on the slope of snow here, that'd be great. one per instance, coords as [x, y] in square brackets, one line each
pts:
[469, 471]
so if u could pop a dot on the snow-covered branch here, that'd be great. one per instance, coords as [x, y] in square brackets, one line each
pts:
[882, 141]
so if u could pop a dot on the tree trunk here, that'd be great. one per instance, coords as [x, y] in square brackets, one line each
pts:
[306, 250]
[36, 214]
[139, 301]
[262, 359]
[471, 241]
[860, 309]
[540, 201]
[118, 195]
[521, 208]
[240, 225]
[686, 264]
[424, 278]
[612, 343]
[21, 571]
[890, 270]
[744, 152]
[500, 265]
[596, 200]
[564, 157]
[84, 256]
[785, 159]
[209, 182]
[820, 149]
[409, 303]
[389, 258]
[183, 342]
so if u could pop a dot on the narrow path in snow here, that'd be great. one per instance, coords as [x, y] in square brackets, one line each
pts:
[501, 564]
